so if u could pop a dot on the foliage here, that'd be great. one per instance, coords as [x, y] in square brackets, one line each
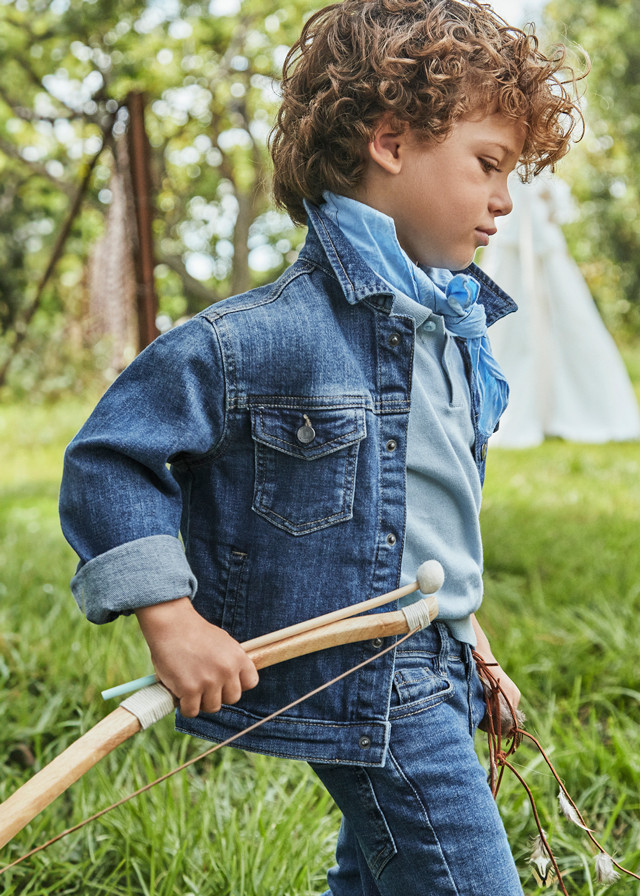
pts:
[209, 73]
[604, 171]
[209, 70]
[562, 610]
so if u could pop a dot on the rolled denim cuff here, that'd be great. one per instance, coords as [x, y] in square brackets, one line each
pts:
[140, 573]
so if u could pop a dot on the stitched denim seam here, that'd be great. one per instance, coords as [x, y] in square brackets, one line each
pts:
[293, 402]
[384, 855]
[400, 770]
[415, 709]
[217, 313]
[337, 443]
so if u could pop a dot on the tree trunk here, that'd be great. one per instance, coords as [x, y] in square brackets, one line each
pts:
[139, 162]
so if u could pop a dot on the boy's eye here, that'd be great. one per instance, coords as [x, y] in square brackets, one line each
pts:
[488, 166]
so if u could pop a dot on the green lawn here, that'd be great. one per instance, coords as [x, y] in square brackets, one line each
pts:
[562, 609]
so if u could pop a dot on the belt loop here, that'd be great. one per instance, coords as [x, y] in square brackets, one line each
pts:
[470, 665]
[469, 662]
[443, 656]
[467, 658]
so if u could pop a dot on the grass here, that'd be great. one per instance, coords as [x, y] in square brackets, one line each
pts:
[561, 529]
[562, 609]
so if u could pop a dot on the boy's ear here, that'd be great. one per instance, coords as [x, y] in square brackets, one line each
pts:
[385, 149]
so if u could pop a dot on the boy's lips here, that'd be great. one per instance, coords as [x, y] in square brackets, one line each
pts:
[485, 233]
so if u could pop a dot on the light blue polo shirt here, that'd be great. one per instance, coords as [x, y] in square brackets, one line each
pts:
[443, 486]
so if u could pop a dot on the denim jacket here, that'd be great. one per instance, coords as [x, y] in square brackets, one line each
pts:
[203, 438]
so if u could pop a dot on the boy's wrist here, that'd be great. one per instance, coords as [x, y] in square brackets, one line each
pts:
[161, 615]
[483, 648]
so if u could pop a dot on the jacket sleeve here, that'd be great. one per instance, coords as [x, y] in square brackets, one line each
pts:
[120, 506]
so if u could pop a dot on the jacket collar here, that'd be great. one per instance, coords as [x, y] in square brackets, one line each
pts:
[326, 243]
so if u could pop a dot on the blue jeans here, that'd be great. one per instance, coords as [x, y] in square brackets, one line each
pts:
[426, 822]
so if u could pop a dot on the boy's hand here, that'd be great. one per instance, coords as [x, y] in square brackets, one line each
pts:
[503, 706]
[509, 689]
[199, 663]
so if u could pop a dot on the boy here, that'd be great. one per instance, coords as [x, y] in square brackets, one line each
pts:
[314, 440]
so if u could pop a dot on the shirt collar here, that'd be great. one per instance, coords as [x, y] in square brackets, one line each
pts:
[373, 235]
[326, 242]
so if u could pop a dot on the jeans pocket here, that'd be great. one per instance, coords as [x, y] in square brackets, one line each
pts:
[305, 465]
[417, 685]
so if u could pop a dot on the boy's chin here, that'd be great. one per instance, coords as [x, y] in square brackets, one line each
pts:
[458, 262]
[454, 264]
[464, 262]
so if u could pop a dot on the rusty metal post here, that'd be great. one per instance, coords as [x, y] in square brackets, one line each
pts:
[140, 168]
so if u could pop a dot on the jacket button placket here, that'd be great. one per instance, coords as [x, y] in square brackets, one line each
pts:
[394, 377]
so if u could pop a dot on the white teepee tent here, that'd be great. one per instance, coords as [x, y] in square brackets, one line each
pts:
[566, 375]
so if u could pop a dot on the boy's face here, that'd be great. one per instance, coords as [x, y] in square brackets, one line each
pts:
[444, 197]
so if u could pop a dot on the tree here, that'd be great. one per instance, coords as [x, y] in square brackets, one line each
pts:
[604, 170]
[210, 79]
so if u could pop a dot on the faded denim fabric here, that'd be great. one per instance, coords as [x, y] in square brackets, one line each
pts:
[454, 296]
[426, 822]
[201, 438]
[443, 490]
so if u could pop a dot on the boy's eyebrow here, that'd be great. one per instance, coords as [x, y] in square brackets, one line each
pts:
[507, 150]
[509, 153]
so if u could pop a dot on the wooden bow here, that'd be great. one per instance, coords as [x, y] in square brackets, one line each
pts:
[153, 702]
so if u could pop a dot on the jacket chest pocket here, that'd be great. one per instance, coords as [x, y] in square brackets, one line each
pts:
[305, 465]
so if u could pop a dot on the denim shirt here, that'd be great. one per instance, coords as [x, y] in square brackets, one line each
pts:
[194, 476]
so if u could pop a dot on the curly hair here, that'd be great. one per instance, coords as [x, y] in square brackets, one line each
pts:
[428, 63]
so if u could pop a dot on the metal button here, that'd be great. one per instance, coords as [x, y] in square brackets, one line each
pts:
[392, 445]
[394, 339]
[377, 643]
[365, 742]
[391, 539]
[306, 434]
[430, 326]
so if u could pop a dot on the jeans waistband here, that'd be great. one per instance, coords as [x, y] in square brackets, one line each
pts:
[436, 639]
[437, 642]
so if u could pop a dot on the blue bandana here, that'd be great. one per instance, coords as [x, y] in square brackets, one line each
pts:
[454, 297]
[465, 317]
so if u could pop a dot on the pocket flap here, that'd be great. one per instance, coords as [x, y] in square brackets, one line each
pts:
[308, 433]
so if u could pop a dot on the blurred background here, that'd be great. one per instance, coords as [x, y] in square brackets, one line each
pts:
[136, 132]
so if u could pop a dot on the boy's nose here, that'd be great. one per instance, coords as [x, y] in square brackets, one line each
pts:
[501, 203]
